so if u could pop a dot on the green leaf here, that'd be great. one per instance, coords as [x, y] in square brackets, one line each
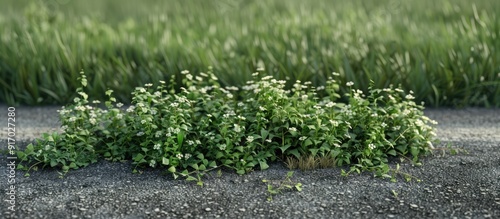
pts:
[212, 164]
[392, 152]
[307, 142]
[53, 163]
[165, 161]
[172, 169]
[202, 167]
[298, 186]
[289, 174]
[295, 152]
[191, 178]
[194, 166]
[263, 165]
[241, 172]
[264, 133]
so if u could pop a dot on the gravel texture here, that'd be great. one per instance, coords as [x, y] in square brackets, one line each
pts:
[466, 185]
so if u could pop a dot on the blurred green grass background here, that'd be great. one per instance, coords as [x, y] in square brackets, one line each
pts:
[446, 51]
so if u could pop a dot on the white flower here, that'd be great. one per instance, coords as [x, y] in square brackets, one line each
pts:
[187, 156]
[47, 147]
[304, 97]
[292, 129]
[335, 74]
[72, 119]
[262, 108]
[119, 105]
[222, 147]
[330, 104]
[131, 109]
[158, 134]
[396, 128]
[80, 108]
[371, 146]
[383, 125]
[350, 83]
[174, 105]
[197, 142]
[152, 163]
[260, 68]
[410, 97]
[189, 77]
[399, 90]
[162, 82]
[241, 104]
[76, 99]
[179, 156]
[302, 138]
[157, 146]
[119, 116]
[229, 95]
[250, 139]
[190, 142]
[142, 90]
[185, 72]
[96, 102]
[237, 128]
[148, 85]
[92, 121]
[140, 133]
[269, 140]
[334, 123]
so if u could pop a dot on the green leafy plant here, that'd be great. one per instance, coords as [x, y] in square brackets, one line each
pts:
[275, 187]
[204, 126]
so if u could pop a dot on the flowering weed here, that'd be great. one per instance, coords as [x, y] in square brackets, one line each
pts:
[205, 126]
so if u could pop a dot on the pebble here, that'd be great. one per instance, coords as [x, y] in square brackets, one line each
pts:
[208, 209]
[157, 210]
[413, 205]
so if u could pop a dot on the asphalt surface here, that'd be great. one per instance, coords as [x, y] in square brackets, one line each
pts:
[466, 185]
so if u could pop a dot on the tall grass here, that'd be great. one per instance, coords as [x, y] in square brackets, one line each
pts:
[445, 51]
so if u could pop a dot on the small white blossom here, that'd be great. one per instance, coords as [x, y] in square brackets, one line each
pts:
[148, 85]
[302, 138]
[262, 108]
[157, 146]
[92, 121]
[187, 156]
[350, 83]
[250, 139]
[330, 104]
[143, 121]
[179, 156]
[158, 134]
[96, 102]
[72, 119]
[371, 146]
[185, 72]
[119, 105]
[237, 128]
[222, 147]
[269, 140]
[190, 142]
[152, 163]
[131, 109]
[189, 77]
[140, 133]
[410, 97]
[292, 129]
[162, 82]
[197, 141]
[383, 125]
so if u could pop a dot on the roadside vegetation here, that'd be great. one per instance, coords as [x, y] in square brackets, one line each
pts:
[206, 126]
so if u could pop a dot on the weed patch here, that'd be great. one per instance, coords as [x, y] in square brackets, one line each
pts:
[205, 126]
